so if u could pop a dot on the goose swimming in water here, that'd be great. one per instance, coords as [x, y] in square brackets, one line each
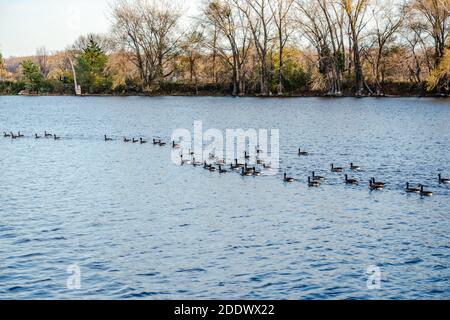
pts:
[196, 163]
[443, 180]
[350, 181]
[183, 161]
[288, 179]
[246, 173]
[162, 144]
[378, 182]
[126, 140]
[267, 166]
[373, 186]
[142, 141]
[36, 136]
[19, 135]
[313, 183]
[317, 178]
[411, 189]
[6, 135]
[246, 155]
[47, 135]
[355, 168]
[302, 153]
[175, 145]
[425, 193]
[255, 172]
[336, 169]
[107, 139]
[238, 165]
[55, 137]
[222, 170]
[13, 136]
[156, 141]
[134, 140]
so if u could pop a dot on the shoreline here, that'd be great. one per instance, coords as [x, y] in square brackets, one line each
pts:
[227, 95]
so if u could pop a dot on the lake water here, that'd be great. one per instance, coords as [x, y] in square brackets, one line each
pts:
[139, 226]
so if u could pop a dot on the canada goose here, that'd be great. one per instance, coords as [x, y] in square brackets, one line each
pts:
[47, 135]
[350, 181]
[126, 140]
[238, 165]
[246, 173]
[156, 141]
[19, 135]
[134, 140]
[55, 137]
[142, 141]
[411, 189]
[13, 136]
[313, 183]
[256, 173]
[287, 179]
[36, 136]
[222, 170]
[378, 182]
[6, 135]
[196, 163]
[317, 178]
[183, 161]
[373, 186]
[336, 169]
[246, 156]
[107, 139]
[175, 145]
[258, 150]
[302, 153]
[191, 152]
[353, 167]
[206, 166]
[443, 180]
[425, 193]
[211, 168]
[267, 166]
[161, 144]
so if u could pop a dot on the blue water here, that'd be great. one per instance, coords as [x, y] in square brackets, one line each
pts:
[141, 227]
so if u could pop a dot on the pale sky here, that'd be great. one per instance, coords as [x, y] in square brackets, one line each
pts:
[26, 25]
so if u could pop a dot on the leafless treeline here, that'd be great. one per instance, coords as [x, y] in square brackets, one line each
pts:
[356, 45]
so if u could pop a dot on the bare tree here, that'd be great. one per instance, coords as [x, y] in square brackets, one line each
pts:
[191, 48]
[280, 11]
[323, 24]
[42, 60]
[387, 20]
[147, 29]
[434, 18]
[355, 11]
[104, 42]
[260, 18]
[231, 25]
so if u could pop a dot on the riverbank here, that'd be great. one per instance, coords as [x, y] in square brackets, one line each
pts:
[228, 95]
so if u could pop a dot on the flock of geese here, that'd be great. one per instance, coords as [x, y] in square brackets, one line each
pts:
[219, 165]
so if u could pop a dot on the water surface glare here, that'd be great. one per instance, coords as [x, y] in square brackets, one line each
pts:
[139, 226]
